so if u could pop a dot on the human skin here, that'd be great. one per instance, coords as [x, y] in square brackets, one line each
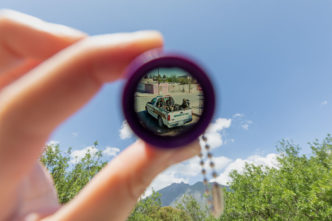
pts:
[47, 73]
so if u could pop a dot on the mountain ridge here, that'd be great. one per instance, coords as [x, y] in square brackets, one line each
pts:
[173, 193]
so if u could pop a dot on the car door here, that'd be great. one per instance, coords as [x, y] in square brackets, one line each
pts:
[151, 107]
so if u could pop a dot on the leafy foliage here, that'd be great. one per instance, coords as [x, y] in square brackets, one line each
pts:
[150, 209]
[299, 189]
[189, 205]
[70, 177]
[146, 209]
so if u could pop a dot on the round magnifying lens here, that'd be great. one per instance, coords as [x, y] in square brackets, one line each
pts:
[168, 100]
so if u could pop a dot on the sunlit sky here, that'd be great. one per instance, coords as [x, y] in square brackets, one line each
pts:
[270, 61]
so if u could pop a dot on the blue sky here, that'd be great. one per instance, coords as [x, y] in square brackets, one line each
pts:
[271, 62]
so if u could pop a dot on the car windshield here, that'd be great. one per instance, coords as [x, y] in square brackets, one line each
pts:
[153, 100]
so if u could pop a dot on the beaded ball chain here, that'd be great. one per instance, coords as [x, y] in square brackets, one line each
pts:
[215, 195]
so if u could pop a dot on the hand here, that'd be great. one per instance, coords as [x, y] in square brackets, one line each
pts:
[47, 73]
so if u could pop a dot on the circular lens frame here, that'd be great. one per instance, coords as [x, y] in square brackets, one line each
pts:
[158, 59]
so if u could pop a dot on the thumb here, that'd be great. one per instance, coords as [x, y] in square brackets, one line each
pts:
[113, 193]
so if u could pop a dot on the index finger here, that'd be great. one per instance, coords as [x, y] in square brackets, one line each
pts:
[35, 104]
[27, 36]
[25, 41]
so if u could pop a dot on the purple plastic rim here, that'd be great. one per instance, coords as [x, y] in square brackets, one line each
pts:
[149, 61]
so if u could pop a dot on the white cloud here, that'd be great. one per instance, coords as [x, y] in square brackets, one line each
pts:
[220, 124]
[164, 179]
[269, 160]
[178, 173]
[213, 133]
[77, 155]
[190, 168]
[245, 124]
[221, 162]
[52, 143]
[111, 151]
[183, 172]
[238, 115]
[324, 102]
[125, 131]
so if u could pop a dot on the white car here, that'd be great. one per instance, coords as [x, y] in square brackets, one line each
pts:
[167, 113]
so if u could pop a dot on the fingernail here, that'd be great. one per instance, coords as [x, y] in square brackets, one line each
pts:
[149, 38]
[148, 32]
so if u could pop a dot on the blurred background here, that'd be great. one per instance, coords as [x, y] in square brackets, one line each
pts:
[270, 61]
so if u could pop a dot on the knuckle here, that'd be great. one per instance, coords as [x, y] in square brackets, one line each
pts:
[84, 48]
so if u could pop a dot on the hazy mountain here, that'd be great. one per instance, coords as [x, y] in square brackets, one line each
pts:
[174, 192]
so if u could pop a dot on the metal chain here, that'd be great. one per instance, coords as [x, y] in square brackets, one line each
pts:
[215, 196]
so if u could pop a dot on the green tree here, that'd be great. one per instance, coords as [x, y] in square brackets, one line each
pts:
[150, 209]
[299, 189]
[70, 177]
[172, 79]
[190, 206]
[146, 209]
[183, 80]
[169, 213]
